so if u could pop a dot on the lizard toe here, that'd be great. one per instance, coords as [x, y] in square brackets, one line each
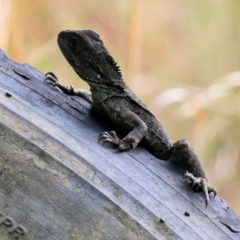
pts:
[108, 140]
[51, 77]
[51, 74]
[108, 137]
[200, 184]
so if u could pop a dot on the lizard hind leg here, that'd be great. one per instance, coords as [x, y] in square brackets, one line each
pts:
[184, 156]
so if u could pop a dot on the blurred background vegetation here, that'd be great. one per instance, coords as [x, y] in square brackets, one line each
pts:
[181, 57]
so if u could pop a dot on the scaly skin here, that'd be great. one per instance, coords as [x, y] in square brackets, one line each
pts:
[85, 52]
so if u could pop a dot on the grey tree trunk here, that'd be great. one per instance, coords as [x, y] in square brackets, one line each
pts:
[58, 182]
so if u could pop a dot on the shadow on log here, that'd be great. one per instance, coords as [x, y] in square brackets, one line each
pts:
[58, 182]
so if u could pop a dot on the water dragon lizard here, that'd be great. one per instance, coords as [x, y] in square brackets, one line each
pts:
[86, 53]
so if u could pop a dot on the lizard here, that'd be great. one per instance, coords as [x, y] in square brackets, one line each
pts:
[109, 95]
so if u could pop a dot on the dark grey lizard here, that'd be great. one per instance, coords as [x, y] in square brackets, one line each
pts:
[86, 53]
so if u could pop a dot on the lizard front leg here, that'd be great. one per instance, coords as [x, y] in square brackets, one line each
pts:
[70, 90]
[184, 156]
[120, 114]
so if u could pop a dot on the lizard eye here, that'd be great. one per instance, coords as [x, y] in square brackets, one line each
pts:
[74, 42]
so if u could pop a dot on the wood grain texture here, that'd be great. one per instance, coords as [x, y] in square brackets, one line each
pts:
[58, 182]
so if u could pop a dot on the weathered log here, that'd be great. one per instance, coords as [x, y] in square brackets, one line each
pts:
[58, 182]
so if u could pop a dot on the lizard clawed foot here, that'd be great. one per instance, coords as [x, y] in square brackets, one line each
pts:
[200, 184]
[52, 78]
[111, 137]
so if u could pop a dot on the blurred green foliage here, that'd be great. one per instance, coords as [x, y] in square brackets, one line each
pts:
[181, 57]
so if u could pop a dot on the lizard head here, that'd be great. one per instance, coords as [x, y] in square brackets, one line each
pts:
[86, 53]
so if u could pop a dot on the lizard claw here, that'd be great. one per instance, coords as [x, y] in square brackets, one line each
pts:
[200, 184]
[50, 76]
[109, 137]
